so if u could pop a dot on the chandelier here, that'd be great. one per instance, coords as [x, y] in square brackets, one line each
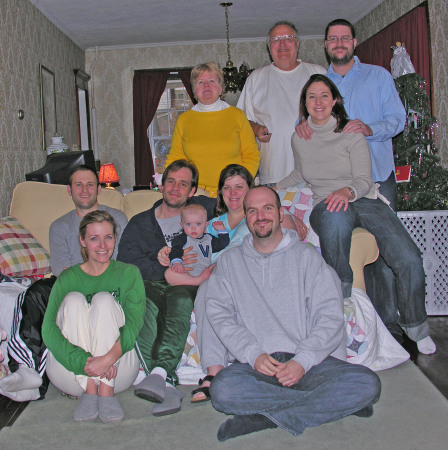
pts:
[234, 78]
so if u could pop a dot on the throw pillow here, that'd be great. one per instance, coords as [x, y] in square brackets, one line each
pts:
[21, 255]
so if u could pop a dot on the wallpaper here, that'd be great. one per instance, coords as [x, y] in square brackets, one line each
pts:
[28, 39]
[112, 86]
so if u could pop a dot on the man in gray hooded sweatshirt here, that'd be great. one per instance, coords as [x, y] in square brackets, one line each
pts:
[277, 307]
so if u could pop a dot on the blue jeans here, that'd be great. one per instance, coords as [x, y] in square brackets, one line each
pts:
[379, 278]
[327, 392]
[396, 248]
[381, 289]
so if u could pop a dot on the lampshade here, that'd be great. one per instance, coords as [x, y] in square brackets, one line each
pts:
[108, 175]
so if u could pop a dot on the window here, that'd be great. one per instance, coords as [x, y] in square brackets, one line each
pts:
[174, 101]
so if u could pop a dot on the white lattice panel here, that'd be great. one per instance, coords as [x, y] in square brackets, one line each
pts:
[429, 229]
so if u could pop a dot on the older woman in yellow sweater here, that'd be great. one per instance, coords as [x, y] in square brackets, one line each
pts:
[213, 134]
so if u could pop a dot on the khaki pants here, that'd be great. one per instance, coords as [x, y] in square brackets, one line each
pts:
[95, 328]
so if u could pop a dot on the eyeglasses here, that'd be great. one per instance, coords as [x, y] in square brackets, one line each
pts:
[336, 39]
[285, 37]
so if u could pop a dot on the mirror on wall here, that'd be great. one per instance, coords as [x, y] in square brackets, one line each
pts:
[47, 105]
[82, 104]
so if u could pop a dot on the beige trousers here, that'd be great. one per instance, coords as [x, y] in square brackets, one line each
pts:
[94, 328]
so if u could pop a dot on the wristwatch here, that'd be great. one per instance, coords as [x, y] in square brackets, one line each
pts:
[352, 192]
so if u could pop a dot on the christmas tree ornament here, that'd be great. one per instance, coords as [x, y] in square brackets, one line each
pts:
[403, 173]
[400, 63]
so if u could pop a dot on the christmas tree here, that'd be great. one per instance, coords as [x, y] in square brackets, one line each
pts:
[416, 146]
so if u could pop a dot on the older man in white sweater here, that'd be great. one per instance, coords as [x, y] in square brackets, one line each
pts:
[270, 99]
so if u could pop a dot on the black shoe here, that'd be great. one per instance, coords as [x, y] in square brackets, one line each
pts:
[241, 425]
[364, 412]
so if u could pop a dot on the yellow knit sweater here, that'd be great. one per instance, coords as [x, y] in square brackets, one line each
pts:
[212, 140]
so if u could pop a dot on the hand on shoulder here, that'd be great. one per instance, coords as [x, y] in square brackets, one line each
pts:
[303, 130]
[357, 126]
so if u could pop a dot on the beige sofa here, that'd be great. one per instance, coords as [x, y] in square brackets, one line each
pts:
[36, 205]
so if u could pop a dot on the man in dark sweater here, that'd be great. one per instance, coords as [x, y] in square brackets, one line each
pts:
[168, 308]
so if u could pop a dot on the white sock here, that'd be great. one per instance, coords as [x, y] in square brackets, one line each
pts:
[140, 377]
[159, 371]
[23, 378]
[25, 395]
[426, 346]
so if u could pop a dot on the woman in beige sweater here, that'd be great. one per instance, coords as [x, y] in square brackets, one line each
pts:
[337, 165]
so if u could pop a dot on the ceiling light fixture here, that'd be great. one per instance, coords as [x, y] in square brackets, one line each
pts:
[234, 78]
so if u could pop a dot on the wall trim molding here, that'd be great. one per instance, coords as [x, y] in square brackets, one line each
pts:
[171, 44]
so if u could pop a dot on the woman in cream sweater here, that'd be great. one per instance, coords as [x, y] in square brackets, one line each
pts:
[337, 165]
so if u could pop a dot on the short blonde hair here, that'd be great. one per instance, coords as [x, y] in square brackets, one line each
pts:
[193, 208]
[206, 67]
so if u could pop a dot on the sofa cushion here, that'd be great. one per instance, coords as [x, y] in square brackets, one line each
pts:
[141, 200]
[20, 253]
[138, 201]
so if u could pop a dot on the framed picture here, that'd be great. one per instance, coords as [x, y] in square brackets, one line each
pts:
[82, 103]
[47, 105]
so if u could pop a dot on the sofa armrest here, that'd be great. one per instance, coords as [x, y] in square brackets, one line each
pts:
[364, 250]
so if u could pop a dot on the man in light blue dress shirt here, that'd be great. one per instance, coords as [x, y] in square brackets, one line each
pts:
[370, 99]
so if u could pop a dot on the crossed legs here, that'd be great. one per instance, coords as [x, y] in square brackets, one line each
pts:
[327, 392]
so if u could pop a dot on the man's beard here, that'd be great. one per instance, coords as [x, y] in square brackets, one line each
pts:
[179, 204]
[340, 61]
[263, 233]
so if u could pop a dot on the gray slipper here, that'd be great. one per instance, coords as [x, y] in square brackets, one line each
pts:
[110, 410]
[171, 404]
[87, 409]
[151, 388]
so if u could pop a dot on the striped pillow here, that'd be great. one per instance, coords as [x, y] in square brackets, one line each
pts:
[21, 255]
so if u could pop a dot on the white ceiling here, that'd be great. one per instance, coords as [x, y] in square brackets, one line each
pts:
[113, 23]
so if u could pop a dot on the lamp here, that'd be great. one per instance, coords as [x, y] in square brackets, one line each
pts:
[108, 175]
[234, 78]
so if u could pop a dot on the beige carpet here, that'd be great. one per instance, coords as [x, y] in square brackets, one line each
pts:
[411, 414]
